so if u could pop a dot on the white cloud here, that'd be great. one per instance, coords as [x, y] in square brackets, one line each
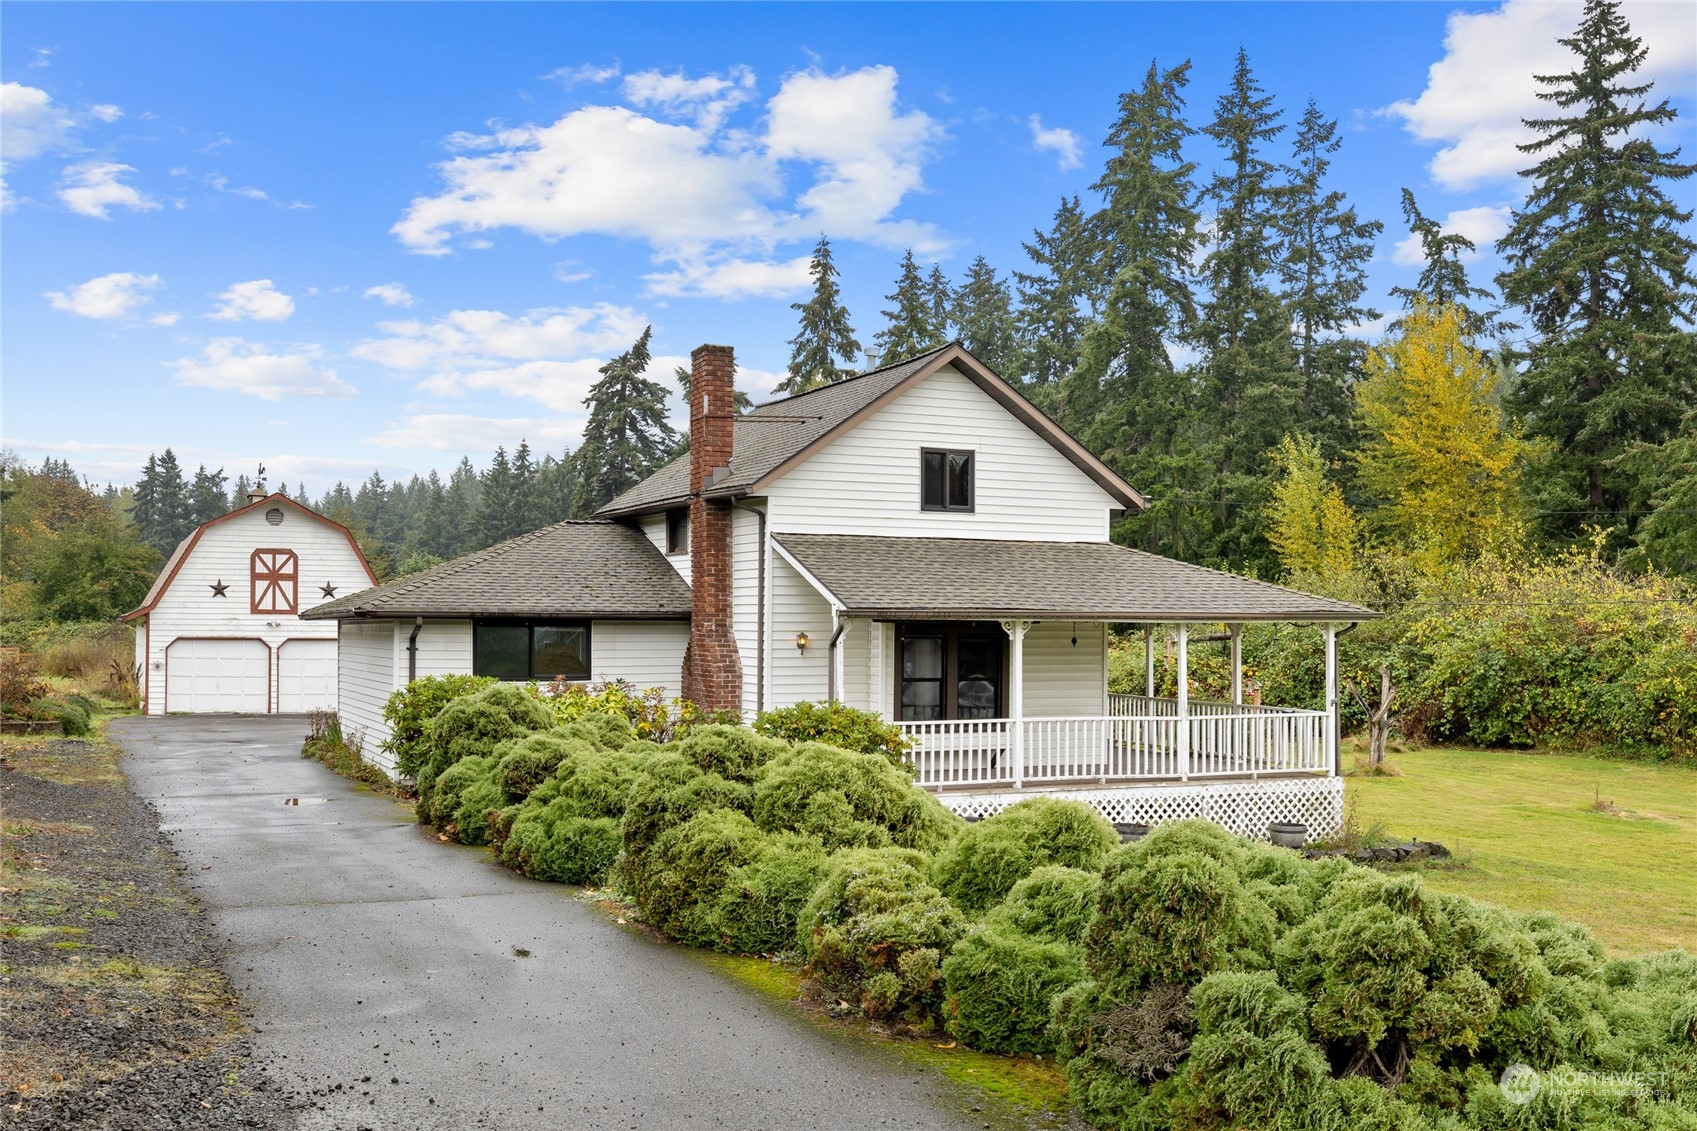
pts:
[239, 366]
[1477, 94]
[1483, 225]
[732, 278]
[222, 183]
[549, 356]
[456, 432]
[258, 299]
[706, 101]
[571, 271]
[1064, 144]
[569, 77]
[109, 296]
[705, 197]
[31, 123]
[93, 187]
[390, 294]
[169, 318]
[106, 112]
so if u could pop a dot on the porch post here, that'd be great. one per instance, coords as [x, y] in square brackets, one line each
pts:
[1016, 630]
[1237, 662]
[1330, 730]
[1149, 662]
[1184, 702]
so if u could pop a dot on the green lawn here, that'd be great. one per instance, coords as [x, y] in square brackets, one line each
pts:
[1529, 828]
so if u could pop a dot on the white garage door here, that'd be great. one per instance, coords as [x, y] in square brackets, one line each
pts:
[217, 675]
[306, 676]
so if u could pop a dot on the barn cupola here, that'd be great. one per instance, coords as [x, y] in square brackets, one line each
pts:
[712, 667]
[259, 492]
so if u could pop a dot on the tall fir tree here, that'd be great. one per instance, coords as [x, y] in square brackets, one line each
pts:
[239, 490]
[626, 436]
[1324, 272]
[164, 515]
[824, 349]
[1055, 302]
[206, 495]
[1598, 259]
[1443, 276]
[495, 504]
[940, 297]
[1249, 382]
[461, 501]
[1124, 397]
[985, 320]
[910, 326]
[527, 503]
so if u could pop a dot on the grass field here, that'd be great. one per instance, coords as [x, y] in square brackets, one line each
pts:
[1533, 836]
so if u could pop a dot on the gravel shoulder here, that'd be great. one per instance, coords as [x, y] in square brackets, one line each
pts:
[114, 1008]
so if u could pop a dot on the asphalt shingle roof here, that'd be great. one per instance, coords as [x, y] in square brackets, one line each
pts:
[769, 434]
[588, 568]
[972, 578]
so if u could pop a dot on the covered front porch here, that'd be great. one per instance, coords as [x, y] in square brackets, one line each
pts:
[998, 675]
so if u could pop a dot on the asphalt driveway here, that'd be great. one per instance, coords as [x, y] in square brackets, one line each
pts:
[383, 972]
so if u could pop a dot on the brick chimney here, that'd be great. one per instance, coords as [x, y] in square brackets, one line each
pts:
[712, 675]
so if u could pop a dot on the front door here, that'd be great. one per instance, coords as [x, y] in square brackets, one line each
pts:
[950, 671]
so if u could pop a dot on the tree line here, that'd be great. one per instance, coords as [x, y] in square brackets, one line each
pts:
[1559, 403]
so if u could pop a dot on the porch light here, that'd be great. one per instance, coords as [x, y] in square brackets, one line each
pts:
[801, 642]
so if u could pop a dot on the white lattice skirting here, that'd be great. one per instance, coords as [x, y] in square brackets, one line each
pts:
[1246, 808]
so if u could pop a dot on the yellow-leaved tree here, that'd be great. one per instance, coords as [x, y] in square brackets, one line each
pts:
[1437, 454]
[1309, 524]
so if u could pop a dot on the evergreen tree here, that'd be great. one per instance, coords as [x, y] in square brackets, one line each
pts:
[911, 327]
[1249, 384]
[940, 297]
[556, 487]
[1054, 301]
[239, 490]
[1598, 259]
[1443, 280]
[461, 502]
[1666, 478]
[1123, 397]
[163, 514]
[144, 512]
[527, 504]
[495, 506]
[984, 316]
[206, 495]
[626, 436]
[1324, 271]
[427, 524]
[825, 336]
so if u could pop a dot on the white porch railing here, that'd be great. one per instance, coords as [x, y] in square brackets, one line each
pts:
[1225, 740]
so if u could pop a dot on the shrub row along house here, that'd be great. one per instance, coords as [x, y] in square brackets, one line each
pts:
[918, 541]
[221, 629]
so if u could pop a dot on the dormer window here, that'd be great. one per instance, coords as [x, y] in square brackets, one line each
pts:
[945, 480]
[677, 530]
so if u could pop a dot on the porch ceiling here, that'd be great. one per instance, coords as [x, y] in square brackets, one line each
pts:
[980, 579]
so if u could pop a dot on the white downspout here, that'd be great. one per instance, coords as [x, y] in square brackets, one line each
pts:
[1184, 702]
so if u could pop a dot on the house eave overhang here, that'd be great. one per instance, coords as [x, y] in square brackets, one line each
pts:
[1129, 616]
[499, 613]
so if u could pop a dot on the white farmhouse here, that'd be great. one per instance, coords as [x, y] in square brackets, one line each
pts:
[919, 541]
[221, 629]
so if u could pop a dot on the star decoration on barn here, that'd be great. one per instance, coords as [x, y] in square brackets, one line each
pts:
[218, 588]
[327, 589]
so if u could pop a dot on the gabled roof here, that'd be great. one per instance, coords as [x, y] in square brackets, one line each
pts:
[985, 579]
[771, 439]
[187, 545]
[583, 568]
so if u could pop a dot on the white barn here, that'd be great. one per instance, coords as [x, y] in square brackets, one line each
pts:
[220, 631]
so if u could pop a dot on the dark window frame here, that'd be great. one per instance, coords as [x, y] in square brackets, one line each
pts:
[951, 633]
[479, 624]
[943, 504]
[677, 530]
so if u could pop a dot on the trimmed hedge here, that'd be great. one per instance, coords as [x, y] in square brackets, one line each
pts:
[410, 710]
[761, 902]
[473, 725]
[988, 858]
[688, 865]
[849, 800]
[833, 724]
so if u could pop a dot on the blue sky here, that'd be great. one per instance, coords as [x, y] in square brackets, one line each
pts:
[339, 237]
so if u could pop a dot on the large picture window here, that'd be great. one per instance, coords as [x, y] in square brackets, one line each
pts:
[524, 649]
[945, 480]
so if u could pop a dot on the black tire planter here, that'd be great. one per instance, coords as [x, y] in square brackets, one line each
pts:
[1131, 831]
[1288, 834]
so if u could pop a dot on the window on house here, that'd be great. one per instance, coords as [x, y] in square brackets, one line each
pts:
[275, 575]
[523, 649]
[950, 671]
[677, 530]
[945, 480]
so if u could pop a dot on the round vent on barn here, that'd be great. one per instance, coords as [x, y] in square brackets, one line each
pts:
[274, 516]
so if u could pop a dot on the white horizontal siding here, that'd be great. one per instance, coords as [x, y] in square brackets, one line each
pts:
[188, 608]
[654, 528]
[647, 653]
[857, 646]
[444, 648]
[365, 678]
[1061, 678]
[797, 675]
[746, 548]
[867, 480]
